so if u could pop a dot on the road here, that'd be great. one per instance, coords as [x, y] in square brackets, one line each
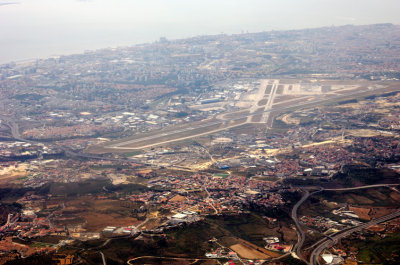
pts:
[142, 223]
[154, 257]
[363, 187]
[322, 244]
[299, 231]
[12, 125]
[210, 201]
[337, 236]
[14, 128]
[103, 258]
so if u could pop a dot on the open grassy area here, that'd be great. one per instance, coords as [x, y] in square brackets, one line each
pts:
[378, 250]
[95, 214]
[378, 197]
[250, 227]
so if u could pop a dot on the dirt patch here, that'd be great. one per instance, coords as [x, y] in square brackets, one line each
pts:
[268, 90]
[171, 261]
[377, 212]
[152, 223]
[362, 199]
[257, 249]
[363, 213]
[256, 118]
[366, 133]
[262, 102]
[177, 198]
[96, 222]
[270, 121]
[13, 174]
[260, 110]
[395, 196]
[288, 234]
[280, 89]
[283, 98]
[235, 114]
[248, 253]
[95, 214]
[377, 194]
[288, 119]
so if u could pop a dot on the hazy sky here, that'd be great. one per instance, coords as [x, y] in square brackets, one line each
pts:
[40, 28]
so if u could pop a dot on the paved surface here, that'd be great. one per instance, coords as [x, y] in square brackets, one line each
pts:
[363, 187]
[122, 145]
[270, 102]
[103, 258]
[300, 233]
[125, 144]
[337, 236]
[322, 244]
[154, 257]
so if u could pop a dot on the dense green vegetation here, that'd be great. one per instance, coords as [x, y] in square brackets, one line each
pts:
[378, 250]
[354, 175]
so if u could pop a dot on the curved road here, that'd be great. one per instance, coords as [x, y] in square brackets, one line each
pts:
[322, 244]
[103, 258]
[299, 230]
[334, 238]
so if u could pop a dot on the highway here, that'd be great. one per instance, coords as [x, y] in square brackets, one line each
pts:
[171, 258]
[103, 258]
[12, 125]
[362, 187]
[337, 236]
[299, 231]
[14, 128]
[324, 243]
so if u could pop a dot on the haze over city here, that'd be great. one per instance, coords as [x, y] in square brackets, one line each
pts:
[41, 28]
[170, 132]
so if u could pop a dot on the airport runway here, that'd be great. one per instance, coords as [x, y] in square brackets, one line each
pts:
[270, 102]
[192, 131]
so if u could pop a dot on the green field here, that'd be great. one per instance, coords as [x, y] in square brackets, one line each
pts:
[377, 250]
